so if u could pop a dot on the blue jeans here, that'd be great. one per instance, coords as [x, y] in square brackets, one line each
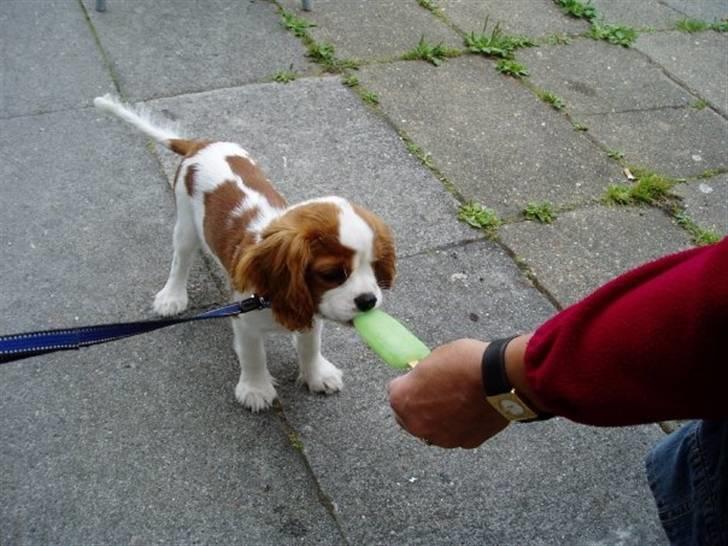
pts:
[688, 475]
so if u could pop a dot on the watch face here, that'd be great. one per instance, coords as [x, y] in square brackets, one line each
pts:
[510, 406]
[513, 408]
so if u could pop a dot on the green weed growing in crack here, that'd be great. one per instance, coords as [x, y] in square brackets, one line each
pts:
[350, 81]
[578, 9]
[511, 68]
[495, 44]
[615, 154]
[479, 217]
[540, 212]
[295, 24]
[434, 54]
[557, 39]
[696, 25]
[420, 154]
[614, 34]
[709, 173]
[428, 5]
[699, 235]
[554, 100]
[324, 54]
[649, 189]
[284, 76]
[580, 126]
[699, 104]
[370, 97]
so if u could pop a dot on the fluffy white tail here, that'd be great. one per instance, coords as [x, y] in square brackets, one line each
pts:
[139, 117]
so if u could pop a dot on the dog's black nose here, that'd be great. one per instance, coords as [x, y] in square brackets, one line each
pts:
[365, 301]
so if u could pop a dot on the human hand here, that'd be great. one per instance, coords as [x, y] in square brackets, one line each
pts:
[442, 400]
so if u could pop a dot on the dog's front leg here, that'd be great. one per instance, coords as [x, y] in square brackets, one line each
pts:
[316, 371]
[255, 389]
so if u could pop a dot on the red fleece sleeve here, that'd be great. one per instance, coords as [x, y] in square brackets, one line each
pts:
[650, 345]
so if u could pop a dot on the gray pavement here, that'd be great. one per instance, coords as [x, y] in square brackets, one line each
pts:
[141, 441]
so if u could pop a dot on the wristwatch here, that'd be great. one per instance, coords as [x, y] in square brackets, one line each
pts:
[499, 392]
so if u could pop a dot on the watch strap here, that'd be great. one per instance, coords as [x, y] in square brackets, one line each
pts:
[498, 389]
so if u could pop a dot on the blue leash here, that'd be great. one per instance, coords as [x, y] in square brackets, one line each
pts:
[18, 346]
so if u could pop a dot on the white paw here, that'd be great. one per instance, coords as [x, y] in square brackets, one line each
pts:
[324, 377]
[168, 302]
[255, 396]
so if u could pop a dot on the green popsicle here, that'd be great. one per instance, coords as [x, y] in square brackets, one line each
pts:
[394, 343]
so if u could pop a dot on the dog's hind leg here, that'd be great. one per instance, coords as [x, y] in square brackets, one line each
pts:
[172, 299]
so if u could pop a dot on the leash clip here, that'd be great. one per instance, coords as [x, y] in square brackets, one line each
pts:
[254, 303]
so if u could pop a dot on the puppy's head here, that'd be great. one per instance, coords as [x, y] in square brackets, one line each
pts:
[324, 257]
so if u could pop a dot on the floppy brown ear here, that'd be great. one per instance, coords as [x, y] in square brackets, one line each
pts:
[385, 259]
[275, 268]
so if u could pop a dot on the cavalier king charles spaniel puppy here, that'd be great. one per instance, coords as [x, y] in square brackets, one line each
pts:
[322, 258]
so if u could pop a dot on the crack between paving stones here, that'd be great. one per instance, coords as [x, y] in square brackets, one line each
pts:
[104, 57]
[323, 498]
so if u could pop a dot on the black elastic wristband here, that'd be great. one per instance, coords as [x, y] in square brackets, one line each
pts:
[493, 367]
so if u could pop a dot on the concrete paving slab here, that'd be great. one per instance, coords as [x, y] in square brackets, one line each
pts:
[647, 14]
[168, 48]
[674, 142]
[585, 248]
[698, 60]
[373, 29]
[706, 10]
[139, 441]
[706, 202]
[538, 484]
[597, 77]
[314, 137]
[49, 59]
[522, 17]
[491, 137]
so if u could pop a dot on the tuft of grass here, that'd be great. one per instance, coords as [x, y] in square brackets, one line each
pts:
[295, 24]
[321, 52]
[614, 34]
[554, 100]
[578, 9]
[324, 54]
[350, 81]
[476, 215]
[691, 25]
[370, 97]
[428, 5]
[511, 68]
[700, 236]
[284, 76]
[580, 127]
[558, 39]
[696, 25]
[699, 104]
[615, 154]
[618, 195]
[649, 189]
[495, 44]
[709, 173]
[434, 54]
[540, 212]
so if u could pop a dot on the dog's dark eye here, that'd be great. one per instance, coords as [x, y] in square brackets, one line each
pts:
[333, 276]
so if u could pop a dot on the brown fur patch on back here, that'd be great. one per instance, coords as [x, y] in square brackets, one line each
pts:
[187, 147]
[224, 231]
[254, 178]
